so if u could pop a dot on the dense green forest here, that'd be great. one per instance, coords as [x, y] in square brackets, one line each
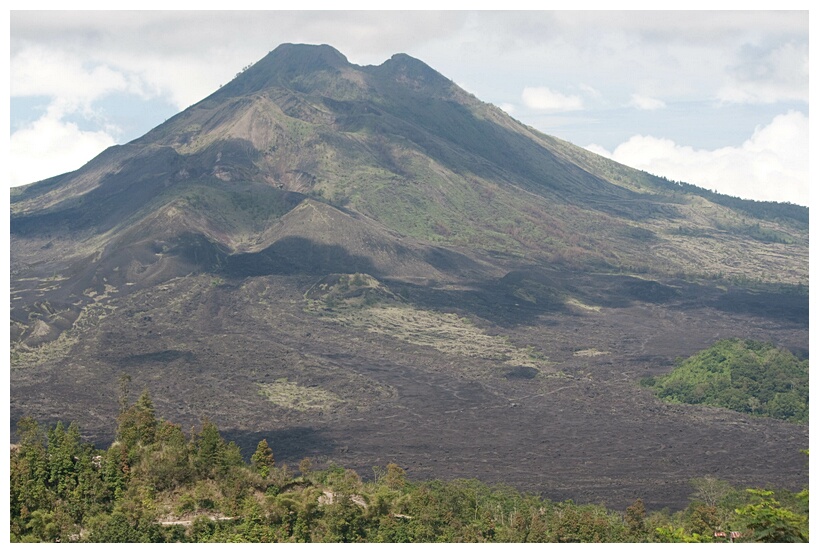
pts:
[743, 375]
[155, 484]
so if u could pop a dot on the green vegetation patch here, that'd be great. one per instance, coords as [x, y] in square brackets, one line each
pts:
[347, 291]
[742, 375]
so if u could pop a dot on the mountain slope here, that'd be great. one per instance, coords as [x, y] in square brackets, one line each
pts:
[401, 144]
[378, 234]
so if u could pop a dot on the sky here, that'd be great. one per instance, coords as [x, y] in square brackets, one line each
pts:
[714, 98]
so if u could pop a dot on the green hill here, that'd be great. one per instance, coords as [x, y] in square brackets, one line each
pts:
[743, 375]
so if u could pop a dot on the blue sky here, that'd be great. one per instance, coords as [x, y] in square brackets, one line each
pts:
[718, 99]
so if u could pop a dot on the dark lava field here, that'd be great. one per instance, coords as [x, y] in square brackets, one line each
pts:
[495, 382]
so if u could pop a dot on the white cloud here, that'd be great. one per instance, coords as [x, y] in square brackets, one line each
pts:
[771, 165]
[185, 55]
[645, 102]
[508, 108]
[545, 99]
[41, 71]
[51, 146]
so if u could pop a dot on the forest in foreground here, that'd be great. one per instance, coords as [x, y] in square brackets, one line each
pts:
[157, 484]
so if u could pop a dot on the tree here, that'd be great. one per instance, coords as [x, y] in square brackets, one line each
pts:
[168, 460]
[207, 449]
[43, 526]
[115, 469]
[138, 423]
[770, 522]
[122, 395]
[63, 448]
[395, 478]
[305, 466]
[704, 519]
[709, 489]
[262, 459]
[787, 406]
[672, 534]
[29, 471]
[635, 517]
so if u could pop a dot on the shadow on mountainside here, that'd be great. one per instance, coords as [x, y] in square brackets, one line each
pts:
[290, 445]
[522, 297]
[297, 255]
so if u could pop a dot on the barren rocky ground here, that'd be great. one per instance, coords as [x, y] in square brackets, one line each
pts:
[531, 392]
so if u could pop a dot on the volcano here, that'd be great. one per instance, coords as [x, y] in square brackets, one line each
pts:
[367, 264]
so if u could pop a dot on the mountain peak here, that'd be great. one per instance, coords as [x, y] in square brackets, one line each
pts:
[306, 56]
[286, 64]
[405, 68]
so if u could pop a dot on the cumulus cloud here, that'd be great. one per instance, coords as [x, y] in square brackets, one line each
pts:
[544, 99]
[51, 146]
[185, 55]
[645, 102]
[42, 71]
[771, 165]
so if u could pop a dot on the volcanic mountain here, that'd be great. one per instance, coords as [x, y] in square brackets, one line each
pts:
[369, 265]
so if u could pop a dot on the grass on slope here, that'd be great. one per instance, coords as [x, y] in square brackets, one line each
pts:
[362, 302]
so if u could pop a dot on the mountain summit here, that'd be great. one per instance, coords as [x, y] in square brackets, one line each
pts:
[367, 263]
